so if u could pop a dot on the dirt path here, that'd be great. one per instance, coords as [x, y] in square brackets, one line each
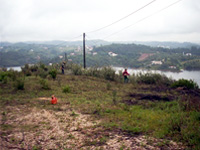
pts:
[63, 129]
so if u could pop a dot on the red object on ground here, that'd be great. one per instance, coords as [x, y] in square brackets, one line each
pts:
[54, 100]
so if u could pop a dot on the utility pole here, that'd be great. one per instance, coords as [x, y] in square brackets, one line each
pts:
[84, 61]
[65, 57]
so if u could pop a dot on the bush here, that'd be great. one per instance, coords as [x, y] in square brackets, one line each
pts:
[26, 70]
[76, 69]
[153, 78]
[66, 89]
[5, 76]
[43, 74]
[108, 73]
[93, 71]
[53, 73]
[19, 84]
[189, 84]
[44, 84]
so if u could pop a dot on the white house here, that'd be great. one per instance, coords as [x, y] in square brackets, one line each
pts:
[112, 54]
[156, 62]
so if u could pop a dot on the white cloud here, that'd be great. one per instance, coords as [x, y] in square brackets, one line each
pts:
[24, 20]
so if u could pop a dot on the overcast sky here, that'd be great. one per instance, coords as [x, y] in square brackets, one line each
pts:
[36, 20]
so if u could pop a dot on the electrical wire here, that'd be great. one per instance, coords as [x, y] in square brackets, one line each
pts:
[122, 18]
[142, 19]
[65, 41]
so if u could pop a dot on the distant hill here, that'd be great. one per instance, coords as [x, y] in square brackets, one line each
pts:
[168, 44]
[102, 42]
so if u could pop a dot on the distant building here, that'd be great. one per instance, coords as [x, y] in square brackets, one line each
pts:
[188, 54]
[162, 46]
[112, 54]
[72, 54]
[60, 56]
[172, 67]
[156, 62]
[95, 53]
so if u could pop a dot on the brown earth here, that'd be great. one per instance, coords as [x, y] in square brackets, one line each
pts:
[144, 56]
[60, 127]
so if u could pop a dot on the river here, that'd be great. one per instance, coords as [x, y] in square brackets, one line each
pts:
[194, 75]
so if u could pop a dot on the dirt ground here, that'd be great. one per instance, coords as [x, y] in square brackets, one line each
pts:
[52, 128]
[144, 56]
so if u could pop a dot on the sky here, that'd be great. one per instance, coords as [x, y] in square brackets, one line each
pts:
[44, 20]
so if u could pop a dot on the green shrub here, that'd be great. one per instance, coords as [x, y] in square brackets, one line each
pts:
[43, 74]
[53, 73]
[44, 84]
[26, 70]
[108, 73]
[153, 78]
[189, 84]
[3, 76]
[108, 86]
[76, 69]
[19, 84]
[93, 71]
[66, 89]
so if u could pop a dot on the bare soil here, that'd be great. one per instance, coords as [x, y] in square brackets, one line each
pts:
[144, 56]
[54, 127]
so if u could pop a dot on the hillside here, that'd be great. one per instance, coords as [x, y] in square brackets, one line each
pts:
[102, 54]
[94, 113]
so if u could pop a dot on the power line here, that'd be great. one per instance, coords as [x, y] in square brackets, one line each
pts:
[122, 18]
[142, 19]
[65, 41]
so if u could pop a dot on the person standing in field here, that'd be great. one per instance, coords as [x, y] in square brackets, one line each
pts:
[63, 67]
[126, 74]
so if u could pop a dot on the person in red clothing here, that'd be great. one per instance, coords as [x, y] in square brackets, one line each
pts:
[126, 74]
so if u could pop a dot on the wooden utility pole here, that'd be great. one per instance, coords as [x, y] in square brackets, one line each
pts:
[84, 61]
[65, 57]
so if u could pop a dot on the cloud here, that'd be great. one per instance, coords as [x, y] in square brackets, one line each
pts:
[24, 20]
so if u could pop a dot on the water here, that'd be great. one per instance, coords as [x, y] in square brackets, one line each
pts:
[193, 75]
[18, 68]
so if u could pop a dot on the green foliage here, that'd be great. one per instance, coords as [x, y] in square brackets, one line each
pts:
[5, 76]
[76, 69]
[44, 84]
[153, 78]
[26, 70]
[108, 73]
[19, 84]
[108, 86]
[42, 73]
[66, 89]
[189, 84]
[53, 73]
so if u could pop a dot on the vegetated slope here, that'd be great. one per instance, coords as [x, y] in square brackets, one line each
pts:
[127, 55]
[95, 113]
